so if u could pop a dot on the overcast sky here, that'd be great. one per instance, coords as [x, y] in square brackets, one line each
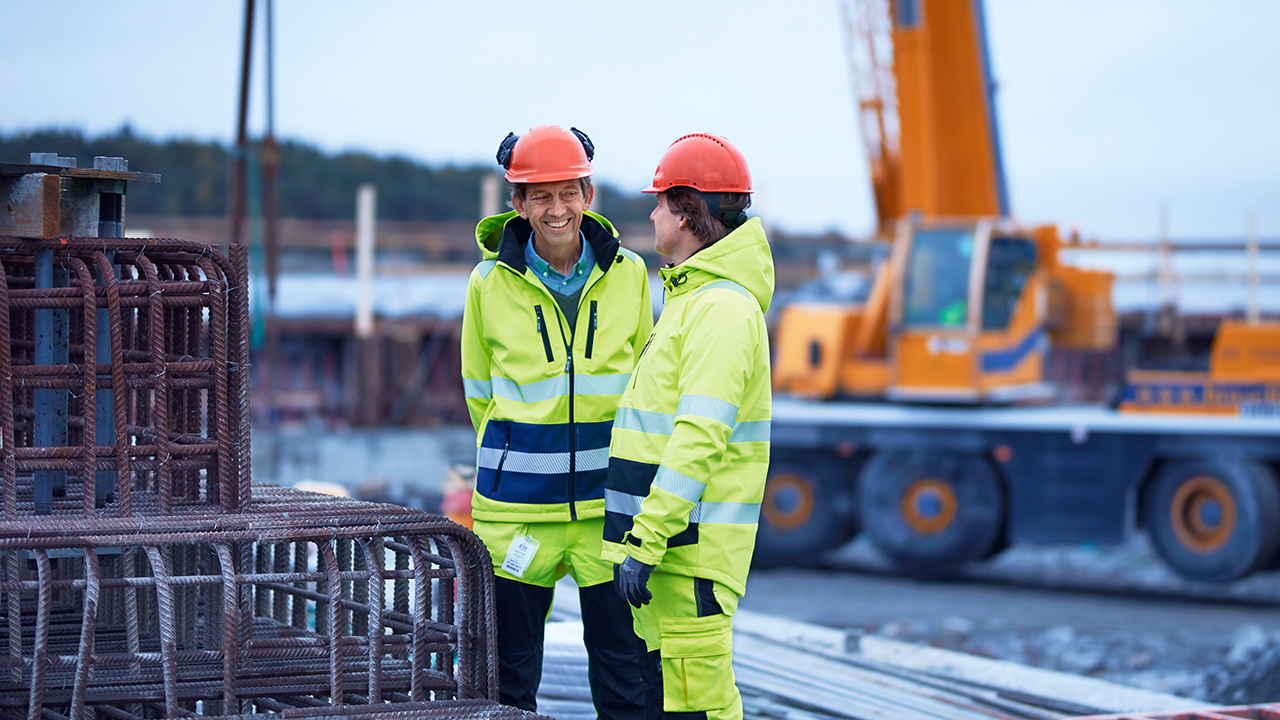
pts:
[1107, 108]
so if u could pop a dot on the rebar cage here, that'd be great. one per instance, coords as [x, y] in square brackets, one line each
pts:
[143, 339]
[306, 601]
[143, 576]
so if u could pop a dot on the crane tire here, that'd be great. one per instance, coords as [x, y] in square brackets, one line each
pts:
[1214, 520]
[806, 511]
[931, 511]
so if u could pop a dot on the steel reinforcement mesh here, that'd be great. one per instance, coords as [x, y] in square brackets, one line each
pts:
[142, 575]
[304, 604]
[148, 336]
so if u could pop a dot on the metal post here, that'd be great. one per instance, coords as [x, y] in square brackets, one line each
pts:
[366, 200]
[50, 405]
[51, 340]
[1165, 274]
[1251, 245]
[367, 357]
[269, 156]
[489, 195]
[236, 196]
[110, 225]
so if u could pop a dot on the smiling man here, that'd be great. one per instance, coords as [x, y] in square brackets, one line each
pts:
[556, 315]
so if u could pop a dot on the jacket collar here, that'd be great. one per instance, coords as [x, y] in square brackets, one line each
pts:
[516, 232]
[742, 256]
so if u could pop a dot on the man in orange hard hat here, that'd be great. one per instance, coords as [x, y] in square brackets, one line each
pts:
[556, 315]
[690, 447]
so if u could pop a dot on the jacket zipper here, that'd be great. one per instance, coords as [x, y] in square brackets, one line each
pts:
[497, 475]
[568, 368]
[636, 370]
[542, 328]
[591, 330]
[573, 429]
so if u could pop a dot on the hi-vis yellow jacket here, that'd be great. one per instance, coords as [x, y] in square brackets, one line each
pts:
[542, 395]
[690, 444]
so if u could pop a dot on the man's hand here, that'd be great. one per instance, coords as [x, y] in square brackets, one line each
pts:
[631, 580]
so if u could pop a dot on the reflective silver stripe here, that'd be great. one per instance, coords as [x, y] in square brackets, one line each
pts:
[725, 513]
[477, 389]
[542, 463]
[708, 407]
[755, 431]
[704, 513]
[644, 421]
[548, 389]
[656, 423]
[485, 268]
[597, 459]
[620, 502]
[600, 384]
[556, 387]
[682, 486]
[727, 285]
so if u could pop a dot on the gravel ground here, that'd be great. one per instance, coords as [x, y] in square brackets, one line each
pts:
[1114, 613]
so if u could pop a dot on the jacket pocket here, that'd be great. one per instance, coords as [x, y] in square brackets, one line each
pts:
[591, 329]
[542, 328]
[697, 663]
[497, 473]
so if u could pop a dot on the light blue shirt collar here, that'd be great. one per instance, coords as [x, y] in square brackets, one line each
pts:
[554, 279]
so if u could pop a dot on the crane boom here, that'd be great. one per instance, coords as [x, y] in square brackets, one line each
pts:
[926, 102]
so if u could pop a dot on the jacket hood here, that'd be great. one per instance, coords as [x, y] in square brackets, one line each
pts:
[490, 231]
[742, 256]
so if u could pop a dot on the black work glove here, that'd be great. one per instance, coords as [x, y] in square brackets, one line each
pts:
[631, 579]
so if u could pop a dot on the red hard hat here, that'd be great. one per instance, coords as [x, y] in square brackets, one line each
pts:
[702, 161]
[547, 153]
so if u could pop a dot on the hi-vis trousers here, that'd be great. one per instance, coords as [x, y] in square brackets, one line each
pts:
[615, 654]
[688, 633]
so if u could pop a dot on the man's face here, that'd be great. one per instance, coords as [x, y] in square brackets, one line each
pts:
[554, 209]
[666, 227]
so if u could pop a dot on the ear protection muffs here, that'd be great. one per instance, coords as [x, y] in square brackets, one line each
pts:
[586, 142]
[504, 150]
[732, 219]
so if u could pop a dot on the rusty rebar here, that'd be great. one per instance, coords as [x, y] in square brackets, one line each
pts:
[193, 591]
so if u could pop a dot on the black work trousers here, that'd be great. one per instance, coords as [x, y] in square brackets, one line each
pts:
[614, 652]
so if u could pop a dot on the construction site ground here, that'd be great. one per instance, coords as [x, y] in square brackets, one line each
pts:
[1114, 613]
[1037, 633]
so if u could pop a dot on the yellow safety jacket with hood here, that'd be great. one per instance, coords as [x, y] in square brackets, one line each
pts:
[542, 395]
[690, 448]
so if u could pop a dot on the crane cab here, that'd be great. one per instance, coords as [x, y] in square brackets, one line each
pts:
[967, 316]
[963, 311]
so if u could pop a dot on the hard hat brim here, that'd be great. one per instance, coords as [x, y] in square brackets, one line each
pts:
[529, 178]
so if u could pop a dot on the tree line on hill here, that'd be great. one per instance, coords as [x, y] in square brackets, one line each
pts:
[313, 184]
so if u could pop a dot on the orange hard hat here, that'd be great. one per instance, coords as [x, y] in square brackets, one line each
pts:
[547, 153]
[704, 162]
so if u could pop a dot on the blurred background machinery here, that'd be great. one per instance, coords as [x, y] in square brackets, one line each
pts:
[982, 393]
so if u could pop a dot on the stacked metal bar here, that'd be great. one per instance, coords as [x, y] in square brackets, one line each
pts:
[1267, 711]
[177, 588]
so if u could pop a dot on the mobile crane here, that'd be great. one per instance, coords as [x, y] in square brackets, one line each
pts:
[922, 416]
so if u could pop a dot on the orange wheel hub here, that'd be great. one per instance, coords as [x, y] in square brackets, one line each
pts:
[1203, 514]
[929, 506]
[788, 501]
